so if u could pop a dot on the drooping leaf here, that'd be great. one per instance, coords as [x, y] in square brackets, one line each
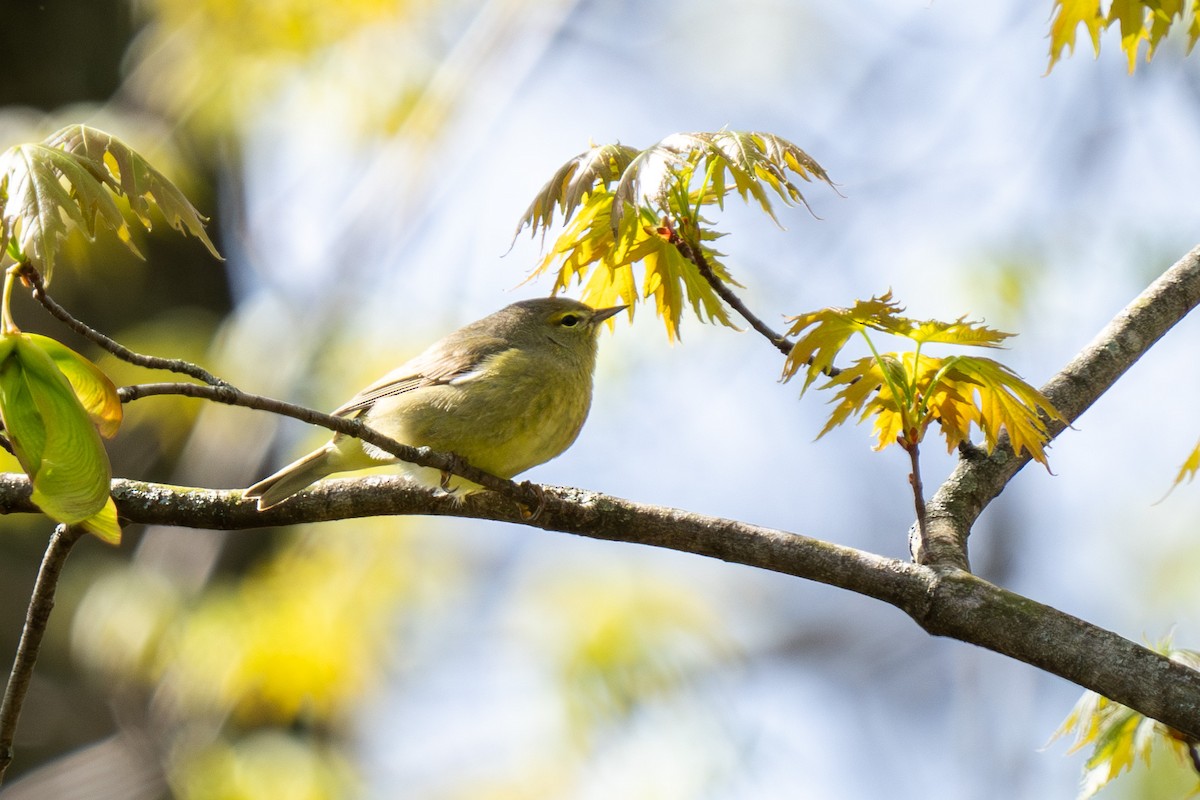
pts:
[1118, 734]
[70, 179]
[623, 207]
[1006, 402]
[598, 167]
[1137, 21]
[52, 435]
[1068, 16]
[104, 524]
[92, 387]
[43, 192]
[140, 182]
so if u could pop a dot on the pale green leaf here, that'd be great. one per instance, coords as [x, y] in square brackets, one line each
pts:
[104, 524]
[93, 388]
[52, 435]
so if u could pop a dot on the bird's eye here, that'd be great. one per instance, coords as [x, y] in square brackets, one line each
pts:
[569, 320]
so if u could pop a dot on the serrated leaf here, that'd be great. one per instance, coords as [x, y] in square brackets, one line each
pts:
[1005, 402]
[1131, 16]
[597, 167]
[140, 182]
[1119, 736]
[650, 201]
[961, 331]
[590, 254]
[45, 190]
[70, 179]
[51, 434]
[829, 329]
[1068, 16]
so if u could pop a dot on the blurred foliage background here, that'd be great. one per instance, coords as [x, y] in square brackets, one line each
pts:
[365, 164]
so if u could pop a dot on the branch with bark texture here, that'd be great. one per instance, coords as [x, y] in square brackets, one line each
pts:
[938, 593]
[944, 602]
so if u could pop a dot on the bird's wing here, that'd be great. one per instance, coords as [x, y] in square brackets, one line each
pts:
[439, 365]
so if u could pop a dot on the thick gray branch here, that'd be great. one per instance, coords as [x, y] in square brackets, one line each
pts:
[945, 602]
[978, 479]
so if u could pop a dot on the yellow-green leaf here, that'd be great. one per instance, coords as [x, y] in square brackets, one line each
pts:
[43, 190]
[1068, 16]
[961, 331]
[1187, 471]
[104, 524]
[1118, 734]
[95, 391]
[51, 434]
[622, 207]
[1006, 402]
[828, 330]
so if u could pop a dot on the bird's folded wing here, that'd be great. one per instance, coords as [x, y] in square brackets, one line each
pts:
[440, 365]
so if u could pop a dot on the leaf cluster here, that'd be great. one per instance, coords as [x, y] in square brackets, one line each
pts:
[1119, 735]
[1139, 21]
[56, 405]
[71, 180]
[622, 206]
[906, 392]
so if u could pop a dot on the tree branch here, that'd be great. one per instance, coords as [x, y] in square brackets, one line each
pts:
[944, 602]
[978, 479]
[524, 493]
[36, 619]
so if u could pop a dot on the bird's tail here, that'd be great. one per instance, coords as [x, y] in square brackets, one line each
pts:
[286, 482]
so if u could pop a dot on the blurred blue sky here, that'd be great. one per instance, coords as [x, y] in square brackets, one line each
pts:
[972, 182]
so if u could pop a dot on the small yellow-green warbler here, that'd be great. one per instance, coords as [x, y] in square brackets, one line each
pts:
[507, 393]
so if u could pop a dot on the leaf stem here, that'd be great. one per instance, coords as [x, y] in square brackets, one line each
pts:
[8, 325]
[694, 255]
[36, 619]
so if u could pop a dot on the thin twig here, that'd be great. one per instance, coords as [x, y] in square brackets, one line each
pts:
[918, 490]
[694, 255]
[36, 618]
[38, 288]
[524, 492]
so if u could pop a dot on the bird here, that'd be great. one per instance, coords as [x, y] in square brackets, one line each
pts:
[506, 392]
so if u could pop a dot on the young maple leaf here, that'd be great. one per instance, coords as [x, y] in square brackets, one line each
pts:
[829, 329]
[71, 177]
[622, 207]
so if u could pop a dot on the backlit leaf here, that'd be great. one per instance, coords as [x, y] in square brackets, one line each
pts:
[1137, 21]
[623, 207]
[1005, 402]
[1118, 734]
[70, 180]
[140, 182]
[830, 328]
[52, 435]
[1187, 471]
[1068, 16]
[95, 391]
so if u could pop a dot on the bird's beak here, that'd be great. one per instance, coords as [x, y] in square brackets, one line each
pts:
[602, 314]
